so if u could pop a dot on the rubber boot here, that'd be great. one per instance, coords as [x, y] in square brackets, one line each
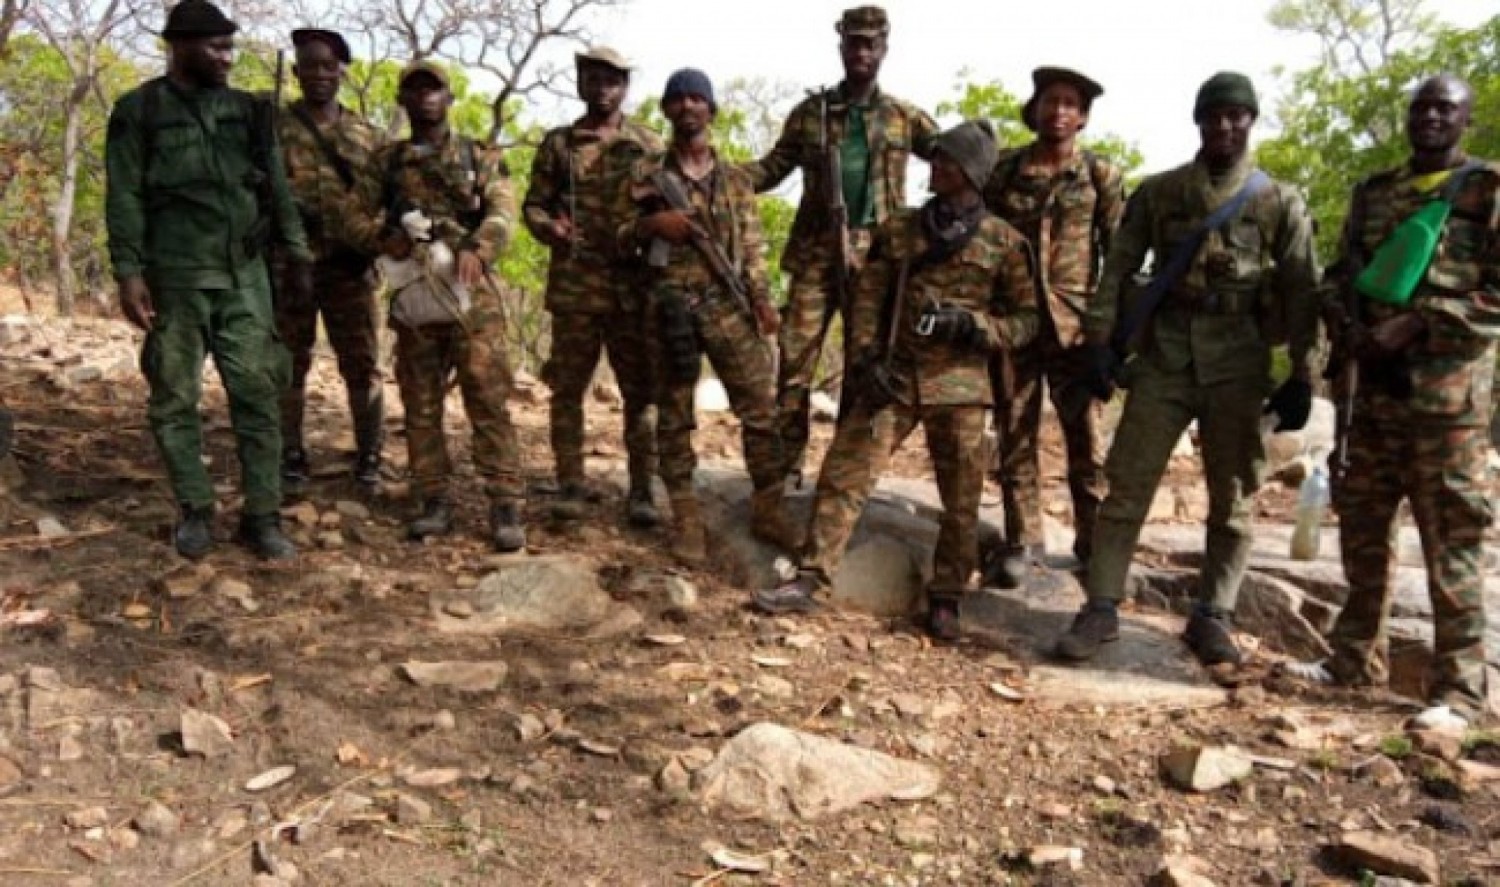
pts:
[690, 540]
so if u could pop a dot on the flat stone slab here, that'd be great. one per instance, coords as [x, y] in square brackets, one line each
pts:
[549, 595]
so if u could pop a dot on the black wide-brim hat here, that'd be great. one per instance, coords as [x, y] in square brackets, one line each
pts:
[333, 39]
[1043, 77]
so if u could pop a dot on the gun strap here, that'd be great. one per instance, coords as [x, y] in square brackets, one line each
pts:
[338, 161]
[1180, 259]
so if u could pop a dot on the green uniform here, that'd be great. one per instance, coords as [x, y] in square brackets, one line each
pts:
[182, 211]
[1207, 357]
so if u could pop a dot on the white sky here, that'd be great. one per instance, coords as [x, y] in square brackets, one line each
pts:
[1150, 55]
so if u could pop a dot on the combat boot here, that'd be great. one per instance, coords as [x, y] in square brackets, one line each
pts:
[295, 470]
[436, 519]
[1208, 636]
[573, 498]
[367, 468]
[1006, 567]
[506, 530]
[7, 429]
[942, 619]
[1098, 623]
[689, 540]
[640, 508]
[193, 536]
[796, 595]
[261, 533]
[768, 520]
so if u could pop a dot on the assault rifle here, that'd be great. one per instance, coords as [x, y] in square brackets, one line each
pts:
[670, 187]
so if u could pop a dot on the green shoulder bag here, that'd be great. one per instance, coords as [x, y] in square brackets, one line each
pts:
[1400, 262]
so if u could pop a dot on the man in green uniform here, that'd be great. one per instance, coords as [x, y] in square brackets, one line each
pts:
[196, 195]
[852, 143]
[945, 287]
[329, 153]
[693, 220]
[446, 195]
[1068, 202]
[595, 301]
[1421, 408]
[1249, 282]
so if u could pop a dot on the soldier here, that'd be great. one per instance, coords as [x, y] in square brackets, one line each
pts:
[1418, 425]
[441, 185]
[1067, 201]
[695, 221]
[595, 301]
[329, 153]
[1244, 282]
[945, 287]
[196, 195]
[852, 143]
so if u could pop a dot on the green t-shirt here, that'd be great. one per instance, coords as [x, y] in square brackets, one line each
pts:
[854, 160]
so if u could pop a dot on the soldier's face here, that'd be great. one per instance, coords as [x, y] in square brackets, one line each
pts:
[690, 115]
[862, 55]
[945, 178]
[206, 61]
[319, 71]
[1438, 115]
[1060, 113]
[602, 88]
[1225, 132]
[425, 99]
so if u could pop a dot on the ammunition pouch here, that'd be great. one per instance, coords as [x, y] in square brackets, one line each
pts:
[679, 339]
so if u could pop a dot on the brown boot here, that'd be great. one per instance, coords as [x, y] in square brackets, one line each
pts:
[689, 541]
[768, 520]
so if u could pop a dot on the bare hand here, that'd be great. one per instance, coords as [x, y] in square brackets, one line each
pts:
[470, 268]
[767, 318]
[671, 225]
[135, 301]
[562, 231]
[1394, 334]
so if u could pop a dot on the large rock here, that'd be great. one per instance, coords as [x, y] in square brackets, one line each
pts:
[772, 773]
[555, 595]
[1272, 610]
[1387, 855]
[1205, 769]
[879, 577]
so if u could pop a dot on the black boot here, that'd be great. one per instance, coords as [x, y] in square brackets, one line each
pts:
[367, 468]
[194, 536]
[1007, 567]
[506, 530]
[1098, 623]
[573, 498]
[1209, 636]
[943, 620]
[640, 508]
[261, 533]
[436, 520]
[294, 470]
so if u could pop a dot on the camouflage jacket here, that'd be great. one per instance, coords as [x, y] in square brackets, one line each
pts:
[1253, 282]
[991, 277]
[724, 204]
[896, 130]
[1069, 217]
[317, 188]
[1452, 367]
[576, 173]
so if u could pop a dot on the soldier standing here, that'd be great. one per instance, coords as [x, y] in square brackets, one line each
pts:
[695, 221]
[945, 287]
[1422, 405]
[852, 143]
[442, 185]
[1068, 202]
[1246, 280]
[196, 195]
[329, 153]
[595, 302]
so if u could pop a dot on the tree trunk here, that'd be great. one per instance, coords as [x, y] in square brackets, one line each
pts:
[62, 210]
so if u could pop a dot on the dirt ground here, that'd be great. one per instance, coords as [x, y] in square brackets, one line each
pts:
[397, 784]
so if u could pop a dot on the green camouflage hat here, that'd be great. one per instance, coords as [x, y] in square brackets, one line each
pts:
[866, 20]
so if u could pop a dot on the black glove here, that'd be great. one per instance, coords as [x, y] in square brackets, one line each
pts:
[1292, 404]
[1103, 365]
[953, 325]
[871, 384]
[299, 281]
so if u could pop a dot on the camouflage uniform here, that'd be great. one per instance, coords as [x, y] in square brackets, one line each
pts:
[1207, 357]
[345, 294]
[1429, 448]
[894, 131]
[440, 183]
[724, 204]
[945, 388]
[1068, 217]
[595, 301]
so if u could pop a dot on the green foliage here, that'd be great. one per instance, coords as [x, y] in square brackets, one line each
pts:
[1396, 746]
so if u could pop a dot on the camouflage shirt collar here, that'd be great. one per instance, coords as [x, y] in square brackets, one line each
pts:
[841, 97]
[1075, 167]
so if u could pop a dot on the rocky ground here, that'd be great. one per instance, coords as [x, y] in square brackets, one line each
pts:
[587, 714]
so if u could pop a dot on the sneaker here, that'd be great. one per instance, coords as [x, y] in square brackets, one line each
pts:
[295, 470]
[506, 531]
[436, 520]
[1097, 624]
[367, 469]
[193, 536]
[942, 620]
[261, 533]
[1208, 636]
[793, 596]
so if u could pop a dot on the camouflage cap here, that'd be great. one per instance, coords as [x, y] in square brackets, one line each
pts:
[603, 55]
[867, 20]
[424, 66]
[1043, 77]
[333, 39]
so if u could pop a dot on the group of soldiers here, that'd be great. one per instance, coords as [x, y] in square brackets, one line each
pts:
[1021, 274]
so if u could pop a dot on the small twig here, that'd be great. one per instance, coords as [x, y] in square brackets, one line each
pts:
[31, 543]
[56, 872]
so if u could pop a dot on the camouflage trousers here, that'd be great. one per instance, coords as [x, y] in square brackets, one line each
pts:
[744, 364]
[862, 448]
[1158, 408]
[474, 354]
[1018, 420]
[1441, 470]
[346, 300]
[811, 304]
[578, 338]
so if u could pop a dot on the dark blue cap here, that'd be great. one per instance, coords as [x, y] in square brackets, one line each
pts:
[690, 81]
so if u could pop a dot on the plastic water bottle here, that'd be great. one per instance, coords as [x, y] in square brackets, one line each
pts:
[1312, 504]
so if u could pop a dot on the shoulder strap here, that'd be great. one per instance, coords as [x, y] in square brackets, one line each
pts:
[339, 163]
[1456, 181]
[1178, 261]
